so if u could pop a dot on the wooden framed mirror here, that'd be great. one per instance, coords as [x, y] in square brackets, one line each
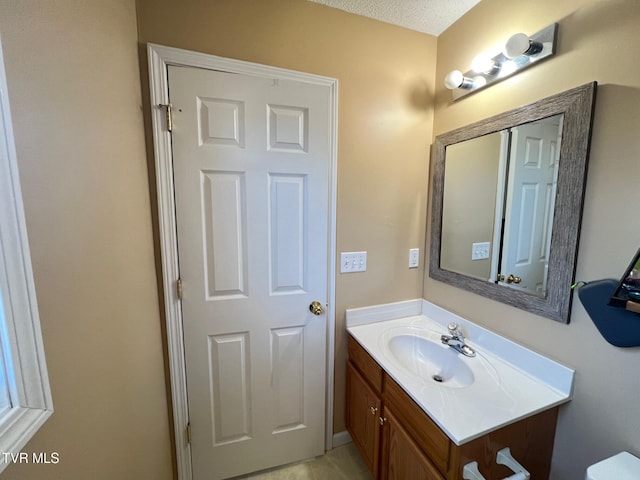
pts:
[539, 218]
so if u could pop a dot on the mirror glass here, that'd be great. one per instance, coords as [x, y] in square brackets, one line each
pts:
[499, 195]
[506, 203]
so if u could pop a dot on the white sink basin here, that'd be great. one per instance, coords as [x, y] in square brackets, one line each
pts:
[503, 383]
[422, 356]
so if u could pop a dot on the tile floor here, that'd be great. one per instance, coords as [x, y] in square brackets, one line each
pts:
[342, 463]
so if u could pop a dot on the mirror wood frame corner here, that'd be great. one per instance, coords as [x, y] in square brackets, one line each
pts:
[577, 107]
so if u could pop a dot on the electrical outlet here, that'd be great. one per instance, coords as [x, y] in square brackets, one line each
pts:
[480, 251]
[414, 257]
[353, 262]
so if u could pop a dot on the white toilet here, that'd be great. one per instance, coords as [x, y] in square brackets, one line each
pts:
[622, 466]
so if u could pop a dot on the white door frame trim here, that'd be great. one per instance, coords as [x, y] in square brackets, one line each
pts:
[160, 57]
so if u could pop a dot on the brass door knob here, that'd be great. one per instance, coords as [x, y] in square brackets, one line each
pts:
[513, 279]
[316, 308]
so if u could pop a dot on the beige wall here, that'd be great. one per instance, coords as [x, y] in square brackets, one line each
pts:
[386, 83]
[74, 90]
[597, 41]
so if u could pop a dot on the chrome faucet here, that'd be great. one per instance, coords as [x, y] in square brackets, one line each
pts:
[455, 340]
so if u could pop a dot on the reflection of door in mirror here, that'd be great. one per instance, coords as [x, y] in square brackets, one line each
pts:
[530, 201]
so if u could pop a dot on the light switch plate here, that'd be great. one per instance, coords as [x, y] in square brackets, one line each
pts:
[480, 251]
[351, 262]
[414, 257]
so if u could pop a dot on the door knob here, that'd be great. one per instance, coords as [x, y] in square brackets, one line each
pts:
[316, 308]
[513, 279]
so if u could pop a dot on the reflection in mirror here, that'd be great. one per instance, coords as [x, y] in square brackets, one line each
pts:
[473, 182]
[499, 194]
[530, 200]
[511, 217]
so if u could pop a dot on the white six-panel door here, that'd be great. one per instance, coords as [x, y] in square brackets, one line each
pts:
[533, 171]
[251, 172]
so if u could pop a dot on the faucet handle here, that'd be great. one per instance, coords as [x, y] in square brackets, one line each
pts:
[454, 329]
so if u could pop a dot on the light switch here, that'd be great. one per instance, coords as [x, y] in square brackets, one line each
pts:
[351, 262]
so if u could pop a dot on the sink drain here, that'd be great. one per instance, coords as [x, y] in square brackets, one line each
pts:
[438, 378]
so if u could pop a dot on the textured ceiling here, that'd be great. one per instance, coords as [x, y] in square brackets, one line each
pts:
[427, 16]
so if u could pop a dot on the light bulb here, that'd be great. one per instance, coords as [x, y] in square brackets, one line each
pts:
[521, 44]
[482, 63]
[453, 79]
[479, 81]
[508, 68]
[456, 79]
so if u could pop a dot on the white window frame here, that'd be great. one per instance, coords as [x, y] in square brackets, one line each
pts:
[20, 335]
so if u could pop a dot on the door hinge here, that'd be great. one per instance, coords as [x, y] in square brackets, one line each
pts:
[179, 288]
[188, 432]
[167, 107]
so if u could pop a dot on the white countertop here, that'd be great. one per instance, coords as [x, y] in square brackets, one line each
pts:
[511, 382]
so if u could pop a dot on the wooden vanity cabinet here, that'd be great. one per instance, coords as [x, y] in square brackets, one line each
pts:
[399, 441]
[397, 456]
[401, 457]
[364, 408]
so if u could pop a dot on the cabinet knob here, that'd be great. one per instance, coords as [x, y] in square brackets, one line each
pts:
[373, 410]
[382, 420]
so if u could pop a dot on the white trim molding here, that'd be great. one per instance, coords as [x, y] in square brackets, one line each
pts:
[159, 58]
[28, 401]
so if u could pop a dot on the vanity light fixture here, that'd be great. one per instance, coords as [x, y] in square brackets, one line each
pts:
[520, 51]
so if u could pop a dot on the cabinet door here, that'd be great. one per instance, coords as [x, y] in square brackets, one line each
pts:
[402, 459]
[363, 417]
